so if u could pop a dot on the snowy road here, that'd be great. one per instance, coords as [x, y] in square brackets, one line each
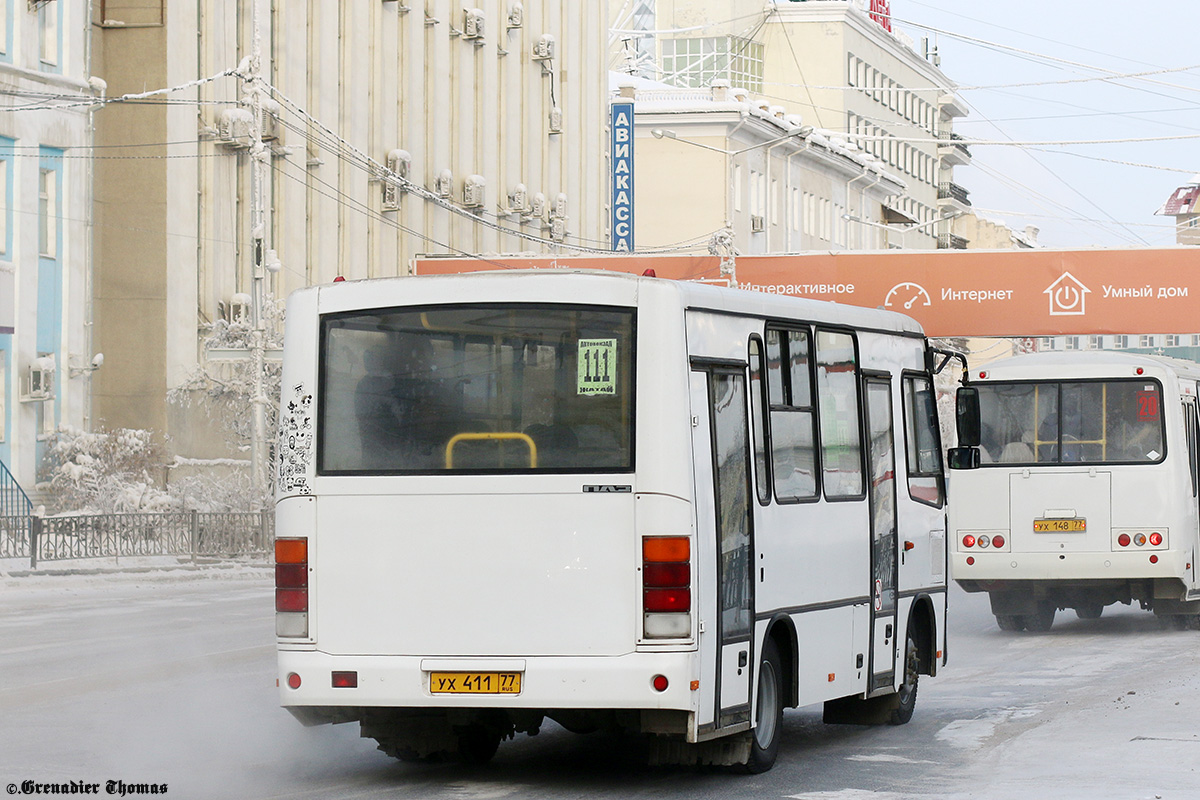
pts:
[168, 678]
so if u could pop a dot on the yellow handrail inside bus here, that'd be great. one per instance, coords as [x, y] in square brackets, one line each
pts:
[462, 437]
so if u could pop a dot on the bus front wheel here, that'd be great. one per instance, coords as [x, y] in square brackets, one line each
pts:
[907, 695]
[768, 722]
[1010, 622]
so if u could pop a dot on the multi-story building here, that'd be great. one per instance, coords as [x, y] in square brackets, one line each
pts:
[843, 68]
[46, 355]
[390, 129]
[1184, 206]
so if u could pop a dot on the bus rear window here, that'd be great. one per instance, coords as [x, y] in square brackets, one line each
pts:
[1071, 422]
[477, 389]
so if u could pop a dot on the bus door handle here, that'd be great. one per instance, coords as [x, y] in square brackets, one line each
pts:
[887, 632]
[743, 659]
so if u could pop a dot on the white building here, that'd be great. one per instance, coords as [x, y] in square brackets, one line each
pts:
[45, 172]
[843, 70]
[393, 129]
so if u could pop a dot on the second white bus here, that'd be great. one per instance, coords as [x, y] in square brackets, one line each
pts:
[608, 501]
[1082, 488]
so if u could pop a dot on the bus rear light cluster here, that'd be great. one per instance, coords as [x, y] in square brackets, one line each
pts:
[983, 541]
[291, 587]
[1143, 539]
[667, 587]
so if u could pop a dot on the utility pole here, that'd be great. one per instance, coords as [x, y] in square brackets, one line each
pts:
[254, 87]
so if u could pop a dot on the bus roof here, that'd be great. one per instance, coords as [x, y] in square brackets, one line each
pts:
[1085, 364]
[401, 291]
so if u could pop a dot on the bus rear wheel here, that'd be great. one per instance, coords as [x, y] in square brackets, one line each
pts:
[1010, 622]
[1089, 611]
[768, 721]
[1042, 619]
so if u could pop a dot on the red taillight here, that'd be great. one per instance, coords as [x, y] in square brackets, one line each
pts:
[1153, 559]
[1123, 540]
[291, 575]
[997, 541]
[287, 600]
[345, 680]
[660, 683]
[970, 560]
[968, 541]
[668, 599]
[1156, 538]
[293, 680]
[667, 575]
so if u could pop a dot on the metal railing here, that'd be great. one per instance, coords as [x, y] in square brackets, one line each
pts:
[952, 191]
[16, 511]
[185, 534]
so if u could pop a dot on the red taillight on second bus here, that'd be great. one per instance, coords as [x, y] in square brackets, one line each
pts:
[667, 586]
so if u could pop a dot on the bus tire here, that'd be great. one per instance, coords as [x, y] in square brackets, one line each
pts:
[906, 695]
[1042, 620]
[768, 722]
[477, 744]
[1089, 611]
[1010, 622]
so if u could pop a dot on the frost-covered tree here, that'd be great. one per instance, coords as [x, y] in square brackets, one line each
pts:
[107, 471]
[224, 391]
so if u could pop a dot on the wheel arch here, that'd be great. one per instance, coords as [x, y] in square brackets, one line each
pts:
[922, 627]
[782, 630]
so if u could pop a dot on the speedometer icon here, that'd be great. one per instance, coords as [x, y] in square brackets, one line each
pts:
[907, 295]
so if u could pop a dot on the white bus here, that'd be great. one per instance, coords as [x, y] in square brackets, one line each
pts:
[605, 500]
[1080, 487]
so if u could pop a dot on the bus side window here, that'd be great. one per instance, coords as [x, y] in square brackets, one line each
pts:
[841, 433]
[1190, 429]
[758, 421]
[793, 419]
[923, 451]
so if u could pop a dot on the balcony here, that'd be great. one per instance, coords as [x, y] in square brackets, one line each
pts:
[948, 241]
[952, 151]
[953, 198]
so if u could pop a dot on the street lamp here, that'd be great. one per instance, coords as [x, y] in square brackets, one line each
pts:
[903, 230]
[801, 133]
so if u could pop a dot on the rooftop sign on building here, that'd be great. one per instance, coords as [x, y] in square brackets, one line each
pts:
[881, 12]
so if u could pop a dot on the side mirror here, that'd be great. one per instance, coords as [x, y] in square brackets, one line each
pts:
[963, 457]
[966, 416]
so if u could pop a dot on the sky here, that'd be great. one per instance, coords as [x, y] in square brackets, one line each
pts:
[1078, 195]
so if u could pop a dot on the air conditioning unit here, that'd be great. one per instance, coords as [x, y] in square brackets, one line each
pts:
[473, 187]
[543, 48]
[444, 185]
[556, 120]
[239, 307]
[235, 128]
[560, 205]
[272, 130]
[516, 15]
[39, 380]
[537, 208]
[757, 223]
[473, 23]
[519, 198]
[558, 228]
[399, 163]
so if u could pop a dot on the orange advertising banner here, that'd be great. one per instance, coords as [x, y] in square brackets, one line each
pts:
[950, 292]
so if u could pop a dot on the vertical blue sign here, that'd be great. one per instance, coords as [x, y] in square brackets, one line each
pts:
[622, 176]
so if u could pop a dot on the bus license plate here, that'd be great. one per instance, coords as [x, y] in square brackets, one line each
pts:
[1059, 525]
[475, 682]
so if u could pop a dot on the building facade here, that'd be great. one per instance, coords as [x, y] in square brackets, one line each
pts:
[46, 163]
[389, 129]
[844, 70]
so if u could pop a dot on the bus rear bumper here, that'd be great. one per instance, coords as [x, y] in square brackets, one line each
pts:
[1068, 567]
[546, 683]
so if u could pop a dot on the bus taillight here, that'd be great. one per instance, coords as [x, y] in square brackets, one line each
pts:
[667, 586]
[291, 587]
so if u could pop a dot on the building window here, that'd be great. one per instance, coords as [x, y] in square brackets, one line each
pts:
[1071, 343]
[697, 62]
[48, 218]
[1145, 341]
[1095, 343]
[1173, 340]
[5, 30]
[48, 33]
[5, 198]
[1120, 342]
